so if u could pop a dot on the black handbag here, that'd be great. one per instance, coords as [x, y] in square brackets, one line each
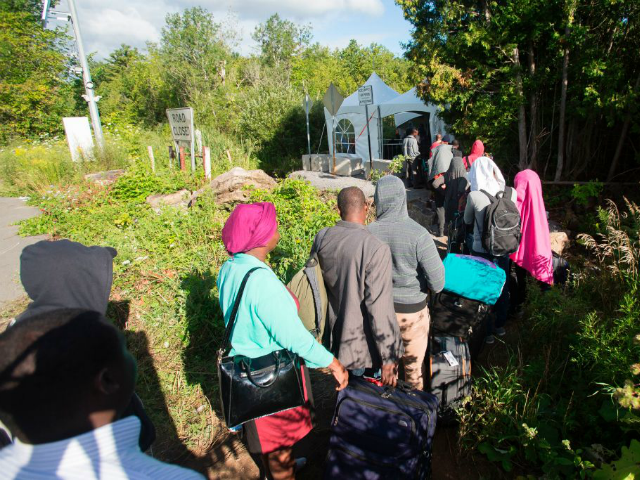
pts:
[251, 388]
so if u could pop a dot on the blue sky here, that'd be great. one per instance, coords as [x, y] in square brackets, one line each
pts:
[105, 25]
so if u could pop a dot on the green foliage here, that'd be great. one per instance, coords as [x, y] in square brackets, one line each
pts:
[583, 193]
[564, 402]
[496, 67]
[397, 164]
[138, 183]
[626, 468]
[34, 92]
[280, 40]
[302, 212]
[34, 167]
[165, 272]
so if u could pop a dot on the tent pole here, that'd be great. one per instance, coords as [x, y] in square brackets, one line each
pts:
[333, 125]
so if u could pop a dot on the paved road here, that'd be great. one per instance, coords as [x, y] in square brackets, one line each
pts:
[11, 245]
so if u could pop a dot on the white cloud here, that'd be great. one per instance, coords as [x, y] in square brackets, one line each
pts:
[106, 25]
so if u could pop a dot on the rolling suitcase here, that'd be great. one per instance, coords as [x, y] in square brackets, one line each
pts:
[380, 432]
[459, 317]
[449, 373]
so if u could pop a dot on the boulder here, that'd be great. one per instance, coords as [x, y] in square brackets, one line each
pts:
[104, 178]
[230, 186]
[179, 199]
[419, 210]
[559, 241]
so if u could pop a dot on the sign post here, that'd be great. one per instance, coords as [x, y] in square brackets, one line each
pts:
[332, 101]
[307, 104]
[181, 123]
[365, 97]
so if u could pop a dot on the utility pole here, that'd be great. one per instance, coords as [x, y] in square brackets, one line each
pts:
[90, 97]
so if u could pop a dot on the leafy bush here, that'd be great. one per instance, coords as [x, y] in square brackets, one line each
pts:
[302, 212]
[564, 403]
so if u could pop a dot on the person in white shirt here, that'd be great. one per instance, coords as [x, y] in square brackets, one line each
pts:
[66, 377]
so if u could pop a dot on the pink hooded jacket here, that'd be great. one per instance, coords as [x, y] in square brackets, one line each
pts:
[477, 150]
[534, 253]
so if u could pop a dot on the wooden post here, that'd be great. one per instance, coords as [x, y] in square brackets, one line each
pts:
[172, 155]
[182, 158]
[206, 159]
[229, 157]
[153, 160]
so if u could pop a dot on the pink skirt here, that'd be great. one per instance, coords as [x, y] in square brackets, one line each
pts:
[283, 429]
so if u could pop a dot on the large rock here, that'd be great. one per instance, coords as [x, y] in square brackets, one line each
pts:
[559, 241]
[180, 199]
[420, 211]
[231, 186]
[104, 178]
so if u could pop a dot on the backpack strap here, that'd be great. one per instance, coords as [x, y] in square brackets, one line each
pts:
[310, 272]
[234, 312]
[491, 197]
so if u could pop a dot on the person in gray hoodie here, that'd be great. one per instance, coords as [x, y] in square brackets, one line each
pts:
[416, 268]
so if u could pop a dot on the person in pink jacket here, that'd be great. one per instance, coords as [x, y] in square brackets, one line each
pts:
[534, 254]
[477, 151]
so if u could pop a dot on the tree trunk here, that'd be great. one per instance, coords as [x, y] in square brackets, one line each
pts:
[623, 136]
[533, 118]
[522, 120]
[563, 94]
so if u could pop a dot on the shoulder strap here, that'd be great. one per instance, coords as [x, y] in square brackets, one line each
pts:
[234, 312]
[491, 197]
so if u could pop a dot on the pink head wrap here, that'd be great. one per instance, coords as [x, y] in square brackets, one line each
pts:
[534, 253]
[249, 226]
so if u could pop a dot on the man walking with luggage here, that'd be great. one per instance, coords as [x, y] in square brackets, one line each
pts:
[361, 329]
[416, 268]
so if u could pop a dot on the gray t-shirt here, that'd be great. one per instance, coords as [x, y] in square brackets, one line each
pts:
[477, 203]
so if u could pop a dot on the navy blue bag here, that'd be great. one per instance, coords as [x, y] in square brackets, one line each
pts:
[381, 432]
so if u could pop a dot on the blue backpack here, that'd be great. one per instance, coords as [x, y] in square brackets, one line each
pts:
[473, 277]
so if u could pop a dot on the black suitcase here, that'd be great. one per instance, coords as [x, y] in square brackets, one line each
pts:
[381, 432]
[459, 317]
[449, 368]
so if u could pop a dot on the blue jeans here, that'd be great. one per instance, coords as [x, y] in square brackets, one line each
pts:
[502, 305]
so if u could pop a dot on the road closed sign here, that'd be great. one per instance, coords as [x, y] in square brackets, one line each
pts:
[181, 123]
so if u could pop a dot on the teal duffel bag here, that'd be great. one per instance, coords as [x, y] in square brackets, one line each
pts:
[474, 278]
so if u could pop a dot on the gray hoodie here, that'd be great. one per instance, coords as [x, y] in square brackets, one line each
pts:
[415, 259]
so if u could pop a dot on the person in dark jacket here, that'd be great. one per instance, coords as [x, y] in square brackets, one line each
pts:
[361, 328]
[66, 274]
[456, 184]
[417, 268]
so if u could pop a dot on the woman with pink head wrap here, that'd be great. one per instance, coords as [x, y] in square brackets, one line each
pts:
[267, 320]
[534, 254]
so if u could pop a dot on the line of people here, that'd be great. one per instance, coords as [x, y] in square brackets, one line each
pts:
[71, 416]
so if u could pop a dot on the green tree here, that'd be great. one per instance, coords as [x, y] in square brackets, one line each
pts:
[533, 77]
[34, 82]
[280, 40]
[194, 52]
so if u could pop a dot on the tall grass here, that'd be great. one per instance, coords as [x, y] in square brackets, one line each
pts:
[29, 166]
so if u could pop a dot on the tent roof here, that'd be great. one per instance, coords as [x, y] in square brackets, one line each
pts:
[381, 93]
[407, 102]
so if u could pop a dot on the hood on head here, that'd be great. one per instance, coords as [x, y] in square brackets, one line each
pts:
[477, 148]
[390, 198]
[65, 274]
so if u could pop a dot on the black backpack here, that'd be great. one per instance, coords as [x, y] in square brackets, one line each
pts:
[501, 234]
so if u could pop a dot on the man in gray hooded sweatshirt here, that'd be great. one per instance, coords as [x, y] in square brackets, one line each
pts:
[416, 267]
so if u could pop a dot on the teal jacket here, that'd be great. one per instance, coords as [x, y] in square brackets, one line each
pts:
[267, 318]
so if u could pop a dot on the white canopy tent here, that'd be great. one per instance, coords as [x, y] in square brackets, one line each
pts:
[350, 122]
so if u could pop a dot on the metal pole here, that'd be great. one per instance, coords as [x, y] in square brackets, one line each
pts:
[308, 134]
[366, 113]
[86, 77]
